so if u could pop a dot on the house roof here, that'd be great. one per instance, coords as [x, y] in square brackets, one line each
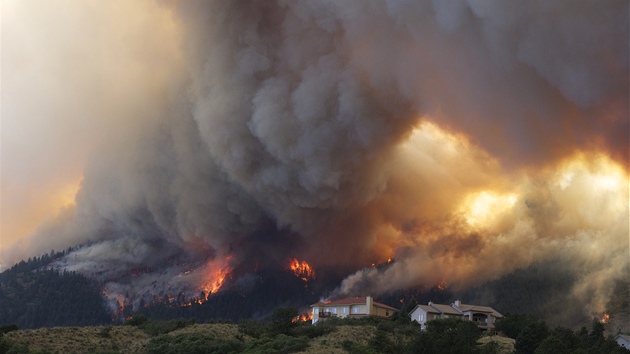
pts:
[359, 300]
[426, 308]
[446, 309]
[475, 308]
[624, 336]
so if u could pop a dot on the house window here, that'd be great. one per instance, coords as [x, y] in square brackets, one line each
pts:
[421, 318]
[315, 311]
[355, 310]
[345, 309]
[334, 310]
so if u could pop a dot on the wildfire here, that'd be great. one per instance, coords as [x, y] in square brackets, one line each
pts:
[442, 285]
[605, 318]
[302, 269]
[190, 303]
[116, 303]
[304, 317]
[216, 276]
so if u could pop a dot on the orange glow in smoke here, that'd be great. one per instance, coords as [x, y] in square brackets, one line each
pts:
[605, 318]
[442, 285]
[302, 269]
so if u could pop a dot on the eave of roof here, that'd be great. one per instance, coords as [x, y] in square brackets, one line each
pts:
[427, 309]
[352, 301]
[483, 309]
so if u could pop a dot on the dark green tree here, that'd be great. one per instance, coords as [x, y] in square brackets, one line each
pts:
[453, 336]
[553, 345]
[597, 333]
[530, 337]
[283, 320]
[512, 324]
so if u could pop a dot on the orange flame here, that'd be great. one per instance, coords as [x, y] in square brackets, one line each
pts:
[304, 317]
[302, 269]
[216, 277]
[605, 318]
[442, 285]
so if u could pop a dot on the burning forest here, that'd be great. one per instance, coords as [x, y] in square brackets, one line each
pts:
[203, 143]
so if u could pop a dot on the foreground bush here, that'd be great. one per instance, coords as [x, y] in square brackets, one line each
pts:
[194, 343]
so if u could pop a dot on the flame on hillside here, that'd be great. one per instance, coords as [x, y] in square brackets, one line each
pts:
[216, 276]
[302, 269]
[605, 318]
[116, 303]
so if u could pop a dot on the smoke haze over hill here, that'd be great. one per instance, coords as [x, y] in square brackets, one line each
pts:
[464, 139]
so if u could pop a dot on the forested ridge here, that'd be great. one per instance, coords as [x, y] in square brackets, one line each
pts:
[33, 295]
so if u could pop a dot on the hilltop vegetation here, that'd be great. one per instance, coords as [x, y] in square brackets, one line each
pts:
[282, 334]
[34, 295]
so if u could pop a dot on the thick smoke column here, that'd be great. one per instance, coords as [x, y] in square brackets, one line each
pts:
[462, 137]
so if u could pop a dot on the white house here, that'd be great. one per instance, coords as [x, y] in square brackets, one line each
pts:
[351, 307]
[623, 340]
[483, 316]
[423, 314]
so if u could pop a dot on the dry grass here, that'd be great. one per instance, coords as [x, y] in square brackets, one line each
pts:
[217, 330]
[331, 342]
[128, 339]
[82, 339]
[124, 339]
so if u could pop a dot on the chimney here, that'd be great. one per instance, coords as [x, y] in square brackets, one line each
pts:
[458, 303]
[430, 303]
[368, 305]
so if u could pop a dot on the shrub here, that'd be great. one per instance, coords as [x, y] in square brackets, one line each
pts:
[194, 343]
[253, 328]
[380, 343]
[105, 332]
[283, 320]
[281, 344]
[136, 320]
[154, 328]
[313, 331]
[9, 328]
[355, 348]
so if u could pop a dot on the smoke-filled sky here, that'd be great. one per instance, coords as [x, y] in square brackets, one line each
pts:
[465, 139]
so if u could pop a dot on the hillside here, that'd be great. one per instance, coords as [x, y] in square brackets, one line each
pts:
[284, 334]
[128, 339]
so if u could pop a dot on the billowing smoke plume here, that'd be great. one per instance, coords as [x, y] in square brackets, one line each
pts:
[464, 139]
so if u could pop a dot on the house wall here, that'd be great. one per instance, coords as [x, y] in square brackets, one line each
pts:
[360, 310]
[490, 323]
[426, 317]
[382, 312]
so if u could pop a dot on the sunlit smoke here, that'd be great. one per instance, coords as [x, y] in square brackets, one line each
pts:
[438, 142]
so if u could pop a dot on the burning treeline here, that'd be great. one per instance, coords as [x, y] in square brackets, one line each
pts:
[464, 139]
